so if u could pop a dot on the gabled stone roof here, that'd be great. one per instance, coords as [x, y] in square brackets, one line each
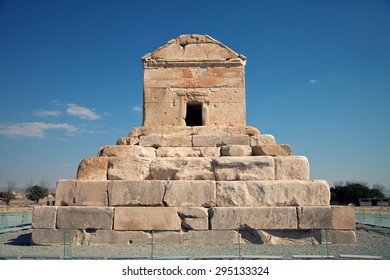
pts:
[193, 49]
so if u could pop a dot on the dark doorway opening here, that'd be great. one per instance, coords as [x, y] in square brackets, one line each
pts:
[194, 114]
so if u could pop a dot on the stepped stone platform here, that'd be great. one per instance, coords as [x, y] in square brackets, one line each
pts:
[194, 173]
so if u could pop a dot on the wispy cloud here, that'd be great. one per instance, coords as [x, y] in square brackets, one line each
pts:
[82, 112]
[313, 81]
[137, 108]
[32, 129]
[46, 113]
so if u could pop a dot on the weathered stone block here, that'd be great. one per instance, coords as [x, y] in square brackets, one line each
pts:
[244, 168]
[235, 111]
[194, 218]
[127, 151]
[263, 139]
[160, 114]
[81, 193]
[93, 168]
[291, 168]
[210, 237]
[136, 193]
[236, 150]
[127, 141]
[282, 237]
[53, 236]
[190, 193]
[271, 150]
[272, 193]
[253, 218]
[168, 237]
[315, 217]
[182, 152]
[117, 237]
[181, 169]
[128, 169]
[165, 141]
[146, 218]
[191, 77]
[219, 140]
[44, 217]
[343, 217]
[78, 217]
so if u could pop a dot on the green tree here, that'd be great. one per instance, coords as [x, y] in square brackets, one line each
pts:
[350, 192]
[37, 191]
[9, 194]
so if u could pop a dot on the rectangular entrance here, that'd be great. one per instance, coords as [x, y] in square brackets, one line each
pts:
[194, 114]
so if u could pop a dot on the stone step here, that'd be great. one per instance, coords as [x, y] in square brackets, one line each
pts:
[231, 168]
[193, 218]
[187, 193]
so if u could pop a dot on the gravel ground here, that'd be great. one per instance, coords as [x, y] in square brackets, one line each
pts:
[371, 241]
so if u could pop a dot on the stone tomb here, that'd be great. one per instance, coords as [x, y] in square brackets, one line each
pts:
[194, 173]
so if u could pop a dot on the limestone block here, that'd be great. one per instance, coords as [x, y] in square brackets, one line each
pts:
[93, 168]
[194, 218]
[168, 237]
[210, 237]
[53, 236]
[146, 218]
[272, 193]
[182, 152]
[81, 193]
[235, 111]
[127, 151]
[343, 217]
[342, 237]
[315, 217]
[219, 140]
[128, 168]
[282, 237]
[220, 130]
[271, 150]
[181, 169]
[100, 237]
[190, 193]
[136, 193]
[244, 168]
[44, 217]
[64, 192]
[263, 139]
[79, 217]
[127, 141]
[291, 168]
[253, 218]
[161, 114]
[236, 150]
[194, 77]
[165, 141]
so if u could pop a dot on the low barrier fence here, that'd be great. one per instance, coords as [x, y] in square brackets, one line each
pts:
[10, 221]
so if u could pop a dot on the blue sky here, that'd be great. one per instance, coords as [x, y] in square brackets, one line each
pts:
[317, 78]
